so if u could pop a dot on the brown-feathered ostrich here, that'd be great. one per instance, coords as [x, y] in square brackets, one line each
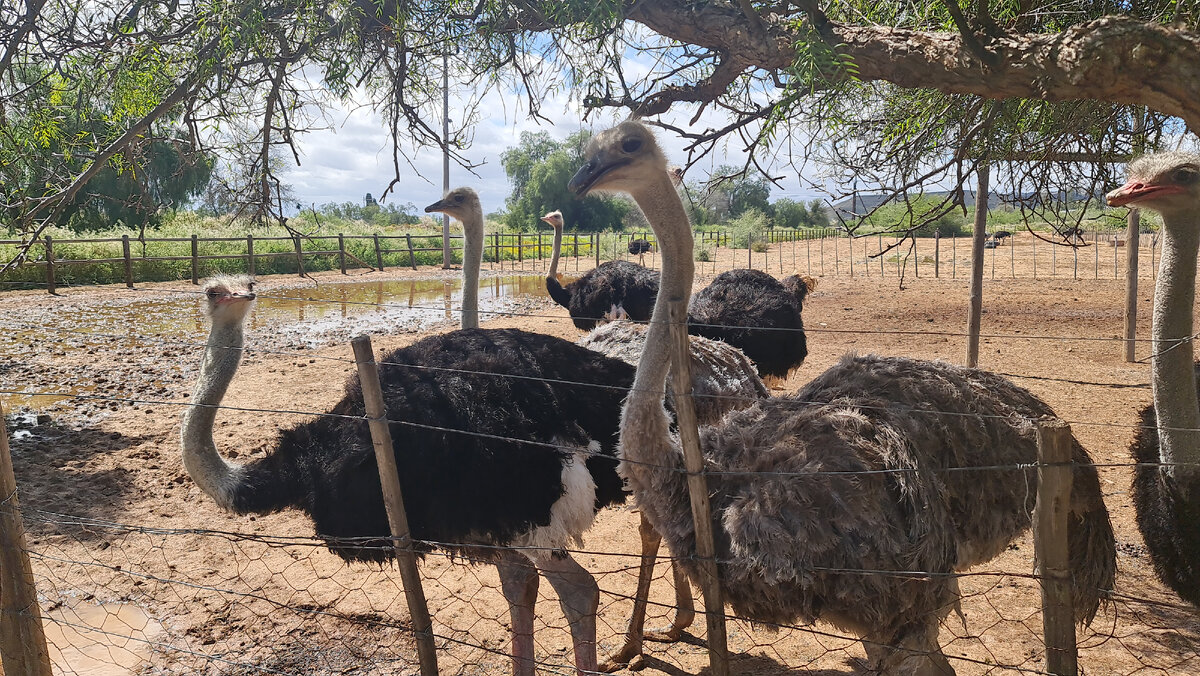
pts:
[611, 290]
[847, 475]
[758, 314]
[1166, 496]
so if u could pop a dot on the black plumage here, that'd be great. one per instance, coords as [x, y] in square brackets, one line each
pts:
[639, 246]
[458, 488]
[615, 285]
[757, 314]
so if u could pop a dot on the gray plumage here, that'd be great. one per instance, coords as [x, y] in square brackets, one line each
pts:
[723, 379]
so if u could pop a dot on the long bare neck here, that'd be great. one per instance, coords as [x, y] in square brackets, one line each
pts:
[555, 251]
[472, 261]
[1174, 378]
[204, 464]
[645, 425]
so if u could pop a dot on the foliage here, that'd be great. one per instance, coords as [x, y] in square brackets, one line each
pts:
[923, 216]
[161, 170]
[748, 227]
[539, 169]
[373, 213]
[732, 193]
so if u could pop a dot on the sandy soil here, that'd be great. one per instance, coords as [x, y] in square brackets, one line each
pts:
[182, 587]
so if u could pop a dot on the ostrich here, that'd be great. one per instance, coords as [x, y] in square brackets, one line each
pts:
[756, 313]
[1166, 484]
[640, 247]
[1001, 235]
[846, 475]
[612, 290]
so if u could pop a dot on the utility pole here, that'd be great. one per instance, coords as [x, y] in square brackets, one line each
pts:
[445, 156]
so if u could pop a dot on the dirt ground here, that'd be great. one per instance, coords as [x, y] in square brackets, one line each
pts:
[138, 572]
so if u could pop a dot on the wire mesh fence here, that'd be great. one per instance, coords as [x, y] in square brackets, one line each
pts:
[137, 570]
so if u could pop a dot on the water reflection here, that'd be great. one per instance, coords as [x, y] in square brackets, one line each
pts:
[309, 316]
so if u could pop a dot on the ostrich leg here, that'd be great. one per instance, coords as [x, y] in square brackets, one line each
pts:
[630, 652]
[579, 597]
[519, 582]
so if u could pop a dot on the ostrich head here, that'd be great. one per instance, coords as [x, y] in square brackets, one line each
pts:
[1168, 183]
[458, 204]
[676, 173]
[555, 219]
[619, 159]
[228, 298]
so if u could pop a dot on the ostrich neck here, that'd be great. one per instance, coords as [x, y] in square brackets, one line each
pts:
[644, 430]
[212, 473]
[1174, 378]
[472, 260]
[554, 252]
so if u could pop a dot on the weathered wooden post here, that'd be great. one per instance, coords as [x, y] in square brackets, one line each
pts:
[250, 254]
[1132, 235]
[937, 254]
[689, 439]
[299, 255]
[195, 259]
[50, 281]
[128, 261]
[389, 478]
[22, 640]
[412, 259]
[1050, 544]
[342, 252]
[378, 252]
[978, 235]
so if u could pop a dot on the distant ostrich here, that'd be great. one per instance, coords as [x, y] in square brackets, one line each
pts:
[640, 247]
[796, 520]
[757, 314]
[1001, 235]
[612, 290]
[1167, 496]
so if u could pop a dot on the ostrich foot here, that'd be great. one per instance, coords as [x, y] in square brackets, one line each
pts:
[685, 609]
[628, 656]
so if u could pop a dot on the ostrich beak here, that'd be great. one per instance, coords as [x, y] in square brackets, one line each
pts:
[547, 220]
[438, 206]
[593, 171]
[1136, 190]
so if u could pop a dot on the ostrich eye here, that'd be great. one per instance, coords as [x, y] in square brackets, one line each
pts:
[458, 199]
[631, 145]
[1186, 175]
[212, 293]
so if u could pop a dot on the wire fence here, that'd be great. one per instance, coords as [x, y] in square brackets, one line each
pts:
[137, 571]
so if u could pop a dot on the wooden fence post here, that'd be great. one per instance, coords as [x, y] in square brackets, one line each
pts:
[937, 254]
[342, 252]
[521, 249]
[1050, 544]
[128, 261]
[596, 248]
[250, 255]
[978, 236]
[299, 255]
[393, 499]
[412, 260]
[195, 259]
[50, 281]
[22, 640]
[750, 252]
[689, 439]
[1131, 281]
[378, 252]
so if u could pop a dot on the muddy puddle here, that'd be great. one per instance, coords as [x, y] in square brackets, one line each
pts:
[65, 335]
[89, 639]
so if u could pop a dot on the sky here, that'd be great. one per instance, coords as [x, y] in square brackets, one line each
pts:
[353, 156]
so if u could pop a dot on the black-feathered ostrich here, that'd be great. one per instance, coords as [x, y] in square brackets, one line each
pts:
[611, 290]
[1167, 496]
[640, 247]
[756, 313]
[844, 476]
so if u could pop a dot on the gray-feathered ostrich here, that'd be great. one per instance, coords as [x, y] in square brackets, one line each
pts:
[756, 313]
[611, 290]
[1166, 496]
[847, 475]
